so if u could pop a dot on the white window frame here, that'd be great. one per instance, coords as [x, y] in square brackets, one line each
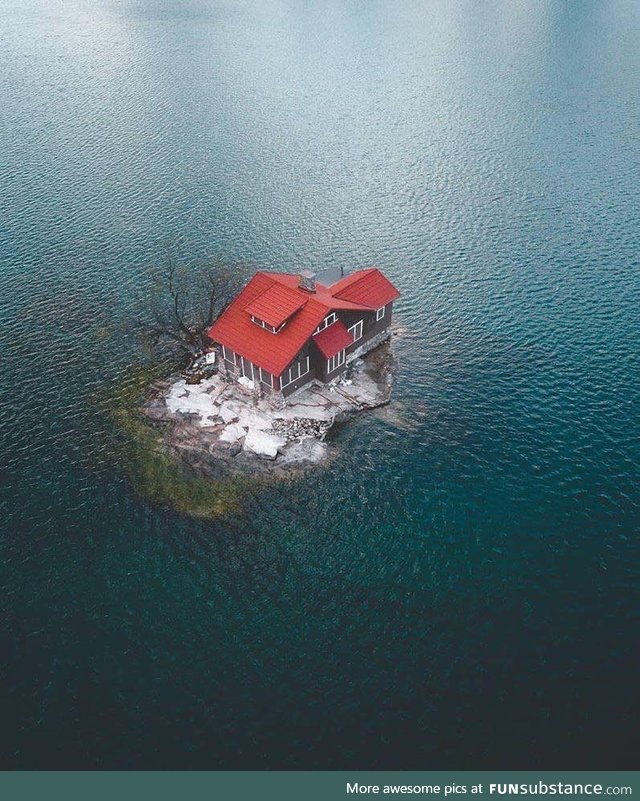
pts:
[242, 370]
[266, 326]
[336, 361]
[295, 372]
[225, 351]
[359, 325]
[328, 320]
[262, 374]
[380, 313]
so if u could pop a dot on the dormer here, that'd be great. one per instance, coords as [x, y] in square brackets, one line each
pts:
[328, 320]
[274, 307]
[266, 326]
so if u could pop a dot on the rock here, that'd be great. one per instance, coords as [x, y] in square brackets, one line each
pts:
[229, 448]
[263, 444]
[157, 410]
[245, 382]
[216, 427]
[227, 414]
[232, 433]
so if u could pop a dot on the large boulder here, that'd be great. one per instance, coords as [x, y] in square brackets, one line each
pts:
[232, 433]
[228, 414]
[263, 444]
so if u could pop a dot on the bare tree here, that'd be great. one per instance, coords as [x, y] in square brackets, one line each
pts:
[183, 303]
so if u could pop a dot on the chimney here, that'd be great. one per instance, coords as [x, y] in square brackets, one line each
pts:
[307, 281]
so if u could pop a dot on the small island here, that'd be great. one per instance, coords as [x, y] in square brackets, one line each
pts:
[287, 359]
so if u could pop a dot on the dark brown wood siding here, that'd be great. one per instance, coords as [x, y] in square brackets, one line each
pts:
[303, 379]
[231, 360]
[267, 381]
[370, 326]
[235, 368]
[325, 375]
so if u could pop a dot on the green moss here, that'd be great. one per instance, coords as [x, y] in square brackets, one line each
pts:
[143, 453]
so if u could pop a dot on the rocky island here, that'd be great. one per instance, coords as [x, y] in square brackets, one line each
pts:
[272, 371]
[220, 428]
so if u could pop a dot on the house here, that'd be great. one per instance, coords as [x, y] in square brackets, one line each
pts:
[283, 330]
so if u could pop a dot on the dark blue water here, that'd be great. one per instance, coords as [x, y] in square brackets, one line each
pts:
[459, 588]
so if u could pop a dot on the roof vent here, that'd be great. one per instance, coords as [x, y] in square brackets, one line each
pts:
[307, 281]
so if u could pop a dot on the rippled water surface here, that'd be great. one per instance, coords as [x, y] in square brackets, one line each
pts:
[458, 588]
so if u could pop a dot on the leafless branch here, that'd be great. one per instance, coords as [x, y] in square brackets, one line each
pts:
[184, 306]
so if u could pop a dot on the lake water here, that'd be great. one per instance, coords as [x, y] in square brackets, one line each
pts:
[457, 589]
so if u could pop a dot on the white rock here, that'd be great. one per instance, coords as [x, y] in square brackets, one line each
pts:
[192, 399]
[227, 414]
[304, 418]
[232, 433]
[263, 444]
[315, 411]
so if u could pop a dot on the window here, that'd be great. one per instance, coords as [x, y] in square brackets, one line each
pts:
[335, 361]
[380, 313]
[296, 371]
[265, 377]
[246, 368]
[328, 320]
[262, 324]
[229, 355]
[356, 331]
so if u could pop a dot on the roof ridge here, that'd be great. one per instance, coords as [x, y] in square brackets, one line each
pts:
[283, 285]
[352, 278]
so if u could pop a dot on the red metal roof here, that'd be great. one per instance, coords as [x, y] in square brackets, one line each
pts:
[276, 304]
[275, 298]
[323, 294]
[367, 287]
[333, 339]
[273, 352]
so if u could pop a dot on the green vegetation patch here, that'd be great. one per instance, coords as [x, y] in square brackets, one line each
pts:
[145, 456]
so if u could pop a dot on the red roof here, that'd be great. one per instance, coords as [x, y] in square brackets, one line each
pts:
[323, 294]
[276, 298]
[276, 304]
[333, 339]
[368, 287]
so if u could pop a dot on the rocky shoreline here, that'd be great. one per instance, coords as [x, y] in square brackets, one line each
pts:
[217, 427]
